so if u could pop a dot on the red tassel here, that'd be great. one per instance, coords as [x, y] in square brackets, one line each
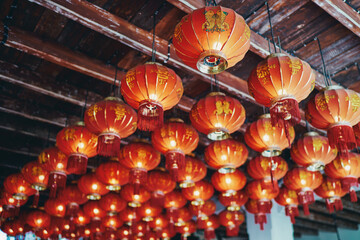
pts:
[108, 144]
[77, 164]
[36, 199]
[338, 205]
[232, 231]
[353, 196]
[56, 180]
[175, 160]
[348, 184]
[306, 198]
[329, 205]
[264, 206]
[158, 199]
[150, 115]
[260, 219]
[209, 234]
[306, 209]
[138, 176]
[72, 210]
[292, 211]
[342, 137]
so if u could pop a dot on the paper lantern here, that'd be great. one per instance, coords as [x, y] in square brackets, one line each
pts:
[43, 233]
[112, 174]
[159, 183]
[252, 206]
[193, 171]
[112, 222]
[129, 215]
[228, 183]
[38, 219]
[217, 115]
[174, 199]
[175, 139]
[148, 211]
[198, 193]
[123, 233]
[93, 210]
[79, 144]
[112, 203]
[233, 202]
[268, 168]
[263, 193]
[232, 221]
[203, 211]
[55, 207]
[179, 216]
[9, 206]
[73, 197]
[211, 39]
[226, 155]
[151, 89]
[16, 185]
[332, 191]
[209, 225]
[313, 151]
[13, 227]
[134, 199]
[159, 223]
[186, 229]
[289, 199]
[81, 218]
[167, 233]
[92, 187]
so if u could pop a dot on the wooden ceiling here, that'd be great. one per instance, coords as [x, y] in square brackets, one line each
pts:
[60, 54]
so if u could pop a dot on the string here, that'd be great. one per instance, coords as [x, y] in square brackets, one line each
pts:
[271, 28]
[114, 84]
[85, 104]
[168, 53]
[279, 43]
[216, 84]
[323, 62]
[7, 22]
[307, 126]
[153, 43]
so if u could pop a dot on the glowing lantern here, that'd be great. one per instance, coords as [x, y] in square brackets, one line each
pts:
[81, 218]
[178, 217]
[93, 210]
[260, 217]
[123, 233]
[267, 168]
[159, 183]
[332, 191]
[151, 89]
[212, 39]
[43, 233]
[186, 229]
[158, 224]
[112, 222]
[175, 139]
[55, 207]
[73, 197]
[111, 120]
[226, 155]
[289, 199]
[263, 193]
[134, 199]
[92, 187]
[313, 151]
[337, 110]
[232, 221]
[112, 203]
[174, 199]
[199, 193]
[79, 144]
[167, 233]
[234, 201]
[228, 183]
[9, 205]
[203, 211]
[193, 171]
[140, 158]
[148, 211]
[59, 224]
[16, 185]
[13, 227]
[304, 182]
[267, 139]
[346, 169]
[112, 174]
[38, 219]
[217, 115]
[209, 225]
[129, 215]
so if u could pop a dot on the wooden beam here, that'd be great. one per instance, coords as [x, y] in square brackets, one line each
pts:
[342, 12]
[315, 225]
[304, 230]
[320, 207]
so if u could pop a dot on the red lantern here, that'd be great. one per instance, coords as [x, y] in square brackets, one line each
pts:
[280, 82]
[93, 210]
[59, 224]
[112, 174]
[267, 139]
[356, 129]
[79, 144]
[159, 183]
[178, 217]
[268, 168]
[335, 109]
[174, 199]
[232, 221]
[9, 205]
[304, 182]
[129, 215]
[38, 219]
[199, 193]
[228, 183]
[212, 39]
[313, 152]
[174, 140]
[346, 169]
[203, 211]
[140, 158]
[234, 201]
[44, 233]
[193, 171]
[289, 199]
[252, 206]
[92, 187]
[167, 233]
[148, 211]
[112, 222]
[55, 207]
[123, 233]
[111, 120]
[332, 191]
[217, 115]
[13, 227]
[209, 225]
[134, 199]
[73, 197]
[226, 155]
[151, 89]
[81, 218]
[112, 203]
[186, 229]
[159, 223]
[263, 193]
[16, 185]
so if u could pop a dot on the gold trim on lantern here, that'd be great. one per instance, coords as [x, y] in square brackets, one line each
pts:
[94, 196]
[218, 134]
[311, 134]
[207, 68]
[316, 166]
[227, 169]
[114, 187]
[271, 152]
[187, 184]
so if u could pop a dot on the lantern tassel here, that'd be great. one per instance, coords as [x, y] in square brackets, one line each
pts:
[108, 144]
[338, 205]
[348, 185]
[353, 196]
[261, 220]
[175, 160]
[232, 231]
[209, 234]
[56, 180]
[138, 177]
[77, 164]
[292, 212]
[150, 115]
[330, 205]
[342, 137]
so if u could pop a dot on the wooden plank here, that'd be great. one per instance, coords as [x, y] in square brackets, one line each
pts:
[341, 12]
[315, 225]
[304, 230]
[320, 207]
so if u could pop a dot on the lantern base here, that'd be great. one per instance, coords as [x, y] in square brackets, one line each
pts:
[212, 62]
[341, 136]
[158, 199]
[175, 160]
[227, 169]
[93, 196]
[233, 208]
[56, 180]
[271, 152]
[134, 204]
[218, 134]
[198, 202]
[334, 203]
[292, 211]
[229, 193]
[315, 167]
[38, 186]
[72, 209]
[77, 164]
[264, 206]
[261, 220]
[150, 115]
[108, 144]
[114, 187]
[20, 196]
[285, 110]
[187, 184]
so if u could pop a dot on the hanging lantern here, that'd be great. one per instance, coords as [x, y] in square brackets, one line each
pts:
[348, 170]
[59, 224]
[151, 89]
[73, 197]
[252, 206]
[267, 139]
[111, 120]
[228, 183]
[112, 222]
[9, 206]
[175, 139]
[186, 229]
[92, 187]
[13, 227]
[199, 193]
[140, 158]
[209, 225]
[112, 203]
[232, 221]
[148, 211]
[44, 233]
[38, 219]
[179, 217]
[134, 199]
[123, 233]
[193, 171]
[167, 233]
[289, 199]
[233, 202]
[313, 151]
[93, 210]
[226, 155]
[55, 207]
[263, 193]
[335, 109]
[356, 129]
[267, 168]
[217, 115]
[211, 39]
[203, 211]
[112, 174]
[159, 224]
[81, 219]
[304, 182]
[159, 183]
[174, 200]
[130, 216]
[16, 185]
[79, 144]
[332, 191]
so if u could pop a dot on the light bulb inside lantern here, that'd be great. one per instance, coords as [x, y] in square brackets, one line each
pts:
[303, 181]
[81, 218]
[11, 200]
[39, 221]
[126, 232]
[67, 227]
[112, 207]
[60, 166]
[81, 145]
[347, 167]
[94, 186]
[228, 180]
[87, 232]
[223, 157]
[41, 177]
[173, 143]
[136, 197]
[21, 189]
[288, 200]
[196, 193]
[96, 211]
[148, 211]
[60, 208]
[266, 137]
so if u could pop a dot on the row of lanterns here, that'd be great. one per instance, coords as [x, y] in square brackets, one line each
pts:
[125, 197]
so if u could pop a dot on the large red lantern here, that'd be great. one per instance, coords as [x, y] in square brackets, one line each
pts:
[332, 191]
[9, 205]
[111, 120]
[263, 193]
[81, 218]
[203, 211]
[233, 202]
[93, 210]
[147, 211]
[73, 197]
[16, 185]
[135, 199]
[348, 170]
[179, 216]
[313, 151]
[159, 223]
[198, 193]
[217, 115]
[140, 157]
[252, 206]
[304, 182]
[212, 39]
[289, 199]
[38, 219]
[159, 183]
[55, 207]
[92, 187]
[267, 168]
[266, 138]
[175, 139]
[209, 225]
[193, 171]
[112, 203]
[228, 183]
[186, 229]
[79, 144]
[151, 89]
[226, 155]
[112, 174]
[337, 110]
[232, 221]
[174, 199]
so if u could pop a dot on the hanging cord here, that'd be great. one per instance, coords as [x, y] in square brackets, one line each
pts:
[212, 84]
[279, 43]
[85, 104]
[327, 83]
[269, 43]
[307, 126]
[114, 84]
[153, 43]
[336, 227]
[271, 28]
[168, 53]
[7, 22]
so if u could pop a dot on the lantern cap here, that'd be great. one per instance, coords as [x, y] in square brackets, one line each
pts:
[112, 98]
[311, 134]
[217, 134]
[156, 63]
[277, 55]
[113, 187]
[115, 159]
[212, 62]
[266, 115]
[187, 184]
[19, 196]
[134, 204]
[227, 169]
[316, 166]
[94, 196]
[233, 208]
[38, 186]
[179, 120]
[141, 140]
[216, 94]
[80, 123]
[271, 152]
[333, 87]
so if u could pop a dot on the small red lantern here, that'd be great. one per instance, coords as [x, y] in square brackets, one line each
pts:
[289, 199]
[112, 222]
[13, 227]
[217, 115]
[226, 155]
[44, 233]
[346, 169]
[134, 199]
[16, 185]
[112, 203]
[332, 191]
[186, 229]
[304, 182]
[112, 174]
[193, 171]
[167, 233]
[79, 144]
[140, 157]
[124, 233]
[178, 217]
[151, 89]
[268, 168]
[38, 219]
[203, 211]
[92, 187]
[234, 201]
[209, 225]
[93, 210]
[174, 199]
[148, 211]
[159, 183]
[199, 193]
[81, 218]
[228, 183]
[252, 206]
[55, 207]
[232, 221]
[313, 151]
[129, 215]
[175, 139]
[59, 224]
[159, 223]
[9, 205]
[73, 197]
[263, 193]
